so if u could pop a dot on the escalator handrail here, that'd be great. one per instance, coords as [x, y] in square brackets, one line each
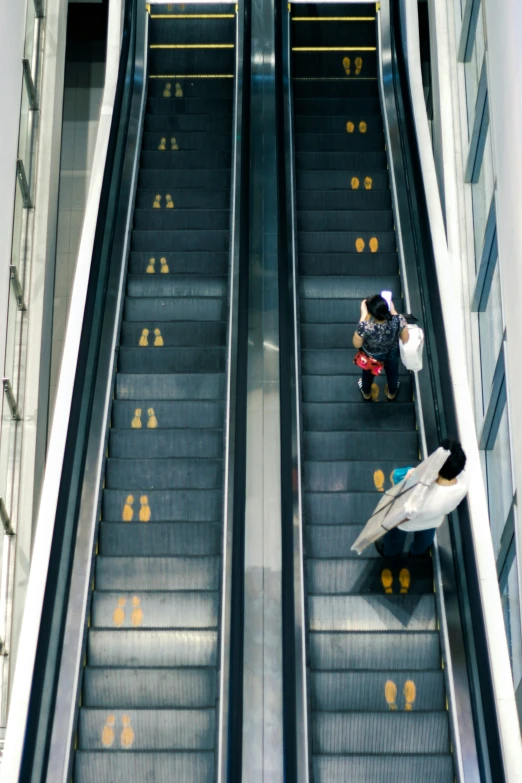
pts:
[485, 587]
[25, 704]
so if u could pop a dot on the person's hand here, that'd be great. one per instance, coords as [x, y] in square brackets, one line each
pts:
[411, 470]
[393, 311]
[364, 310]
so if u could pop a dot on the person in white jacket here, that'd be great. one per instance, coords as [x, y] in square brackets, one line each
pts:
[442, 498]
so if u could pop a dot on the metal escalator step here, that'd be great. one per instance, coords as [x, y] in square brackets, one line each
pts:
[364, 691]
[338, 33]
[372, 613]
[336, 142]
[136, 767]
[217, 198]
[158, 688]
[394, 769]
[170, 413]
[147, 730]
[198, 106]
[376, 733]
[333, 335]
[339, 161]
[339, 180]
[345, 242]
[159, 241]
[335, 88]
[171, 360]
[186, 62]
[341, 446]
[337, 264]
[177, 333]
[336, 220]
[182, 263]
[333, 9]
[183, 505]
[347, 287]
[340, 107]
[355, 200]
[356, 475]
[181, 8]
[136, 539]
[152, 647]
[179, 159]
[164, 443]
[336, 123]
[335, 541]
[193, 285]
[187, 179]
[145, 474]
[377, 650]
[195, 308]
[178, 219]
[197, 140]
[158, 609]
[191, 88]
[356, 576]
[339, 508]
[331, 416]
[336, 361]
[155, 573]
[330, 64]
[196, 31]
[186, 123]
[328, 388]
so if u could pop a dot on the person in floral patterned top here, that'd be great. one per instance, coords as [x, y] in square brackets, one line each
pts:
[378, 333]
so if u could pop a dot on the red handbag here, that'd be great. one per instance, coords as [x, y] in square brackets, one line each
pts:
[366, 362]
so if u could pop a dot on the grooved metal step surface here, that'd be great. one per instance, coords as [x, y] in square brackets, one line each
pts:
[376, 687]
[150, 683]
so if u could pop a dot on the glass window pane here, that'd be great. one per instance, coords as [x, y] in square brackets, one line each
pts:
[511, 608]
[499, 483]
[491, 330]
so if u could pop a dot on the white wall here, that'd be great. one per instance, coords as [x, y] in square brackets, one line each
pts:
[11, 53]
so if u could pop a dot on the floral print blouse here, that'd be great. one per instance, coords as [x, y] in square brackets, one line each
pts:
[381, 338]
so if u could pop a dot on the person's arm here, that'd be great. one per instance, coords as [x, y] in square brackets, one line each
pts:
[357, 339]
[405, 334]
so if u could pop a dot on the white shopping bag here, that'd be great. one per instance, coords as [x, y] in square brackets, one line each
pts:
[411, 352]
[401, 501]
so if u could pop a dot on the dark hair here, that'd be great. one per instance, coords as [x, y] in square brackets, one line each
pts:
[378, 307]
[456, 461]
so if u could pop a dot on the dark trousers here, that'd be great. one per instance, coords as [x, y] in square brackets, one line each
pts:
[393, 542]
[391, 368]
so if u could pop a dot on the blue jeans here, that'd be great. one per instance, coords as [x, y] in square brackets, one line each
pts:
[393, 542]
[391, 368]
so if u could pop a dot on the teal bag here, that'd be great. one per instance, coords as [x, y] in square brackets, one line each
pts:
[398, 474]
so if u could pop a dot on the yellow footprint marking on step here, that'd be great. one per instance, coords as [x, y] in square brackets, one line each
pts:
[152, 422]
[358, 65]
[374, 244]
[387, 580]
[179, 91]
[405, 580]
[128, 511]
[354, 183]
[164, 266]
[162, 146]
[363, 127]
[166, 91]
[144, 339]
[156, 204]
[368, 182]
[350, 127]
[375, 392]
[127, 733]
[145, 512]
[158, 339]
[170, 203]
[137, 612]
[107, 736]
[150, 268]
[174, 144]
[378, 480]
[359, 244]
[346, 65]
[136, 422]
[410, 694]
[118, 616]
[390, 694]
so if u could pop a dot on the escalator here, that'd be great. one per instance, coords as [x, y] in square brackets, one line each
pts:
[377, 702]
[150, 683]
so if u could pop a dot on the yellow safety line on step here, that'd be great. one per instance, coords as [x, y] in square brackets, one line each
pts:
[334, 48]
[333, 78]
[194, 76]
[193, 16]
[192, 46]
[333, 19]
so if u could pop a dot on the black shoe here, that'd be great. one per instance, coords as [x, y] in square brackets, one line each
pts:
[379, 546]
